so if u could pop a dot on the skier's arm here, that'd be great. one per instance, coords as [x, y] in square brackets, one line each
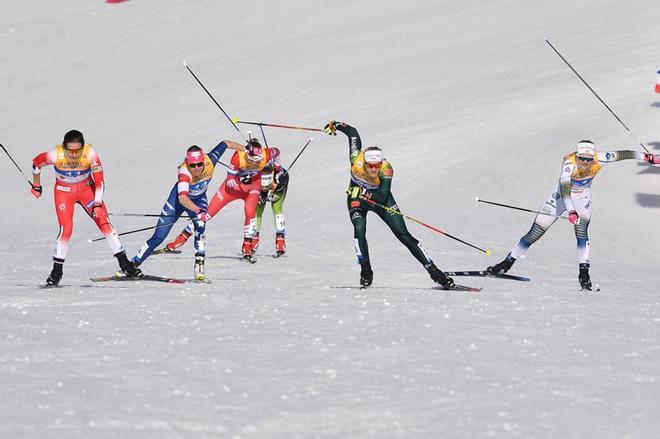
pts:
[386, 174]
[220, 149]
[354, 141]
[565, 184]
[97, 177]
[616, 156]
[41, 160]
[183, 187]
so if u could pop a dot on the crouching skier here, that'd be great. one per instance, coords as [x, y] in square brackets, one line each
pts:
[243, 182]
[78, 180]
[188, 195]
[572, 194]
[371, 179]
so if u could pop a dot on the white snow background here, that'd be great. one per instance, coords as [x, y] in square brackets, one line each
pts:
[466, 100]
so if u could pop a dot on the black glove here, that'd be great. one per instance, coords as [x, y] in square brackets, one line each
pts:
[246, 179]
[281, 179]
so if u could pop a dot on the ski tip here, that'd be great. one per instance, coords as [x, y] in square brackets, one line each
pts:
[488, 252]
[476, 199]
[185, 64]
[311, 139]
[545, 38]
[235, 119]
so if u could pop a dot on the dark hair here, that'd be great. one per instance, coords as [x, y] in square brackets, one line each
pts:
[194, 148]
[73, 136]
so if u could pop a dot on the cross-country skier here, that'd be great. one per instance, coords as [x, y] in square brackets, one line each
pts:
[273, 189]
[572, 194]
[371, 178]
[243, 182]
[78, 180]
[188, 196]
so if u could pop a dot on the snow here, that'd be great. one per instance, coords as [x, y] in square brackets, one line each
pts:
[466, 100]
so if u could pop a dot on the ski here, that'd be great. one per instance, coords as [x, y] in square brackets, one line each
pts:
[278, 255]
[165, 251]
[487, 274]
[436, 288]
[147, 277]
[459, 287]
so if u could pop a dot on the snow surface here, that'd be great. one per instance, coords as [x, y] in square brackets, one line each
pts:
[465, 98]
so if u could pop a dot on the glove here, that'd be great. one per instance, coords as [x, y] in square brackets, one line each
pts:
[36, 191]
[360, 192]
[281, 179]
[202, 215]
[232, 183]
[246, 179]
[573, 217]
[95, 206]
[653, 159]
[330, 128]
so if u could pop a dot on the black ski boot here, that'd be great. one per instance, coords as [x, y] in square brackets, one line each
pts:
[366, 275]
[583, 277]
[439, 277]
[56, 273]
[502, 267]
[128, 268]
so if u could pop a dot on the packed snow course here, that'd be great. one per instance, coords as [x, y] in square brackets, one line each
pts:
[466, 100]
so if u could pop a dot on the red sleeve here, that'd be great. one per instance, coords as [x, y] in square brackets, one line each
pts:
[43, 159]
[233, 166]
[97, 169]
[275, 158]
[183, 182]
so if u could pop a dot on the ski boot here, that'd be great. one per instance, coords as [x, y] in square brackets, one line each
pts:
[503, 266]
[178, 241]
[199, 268]
[126, 267]
[583, 277]
[255, 243]
[56, 273]
[366, 274]
[280, 245]
[439, 277]
[246, 250]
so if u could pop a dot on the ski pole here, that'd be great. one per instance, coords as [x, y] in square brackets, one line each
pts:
[131, 231]
[508, 206]
[596, 94]
[16, 164]
[213, 99]
[157, 215]
[301, 151]
[275, 125]
[435, 229]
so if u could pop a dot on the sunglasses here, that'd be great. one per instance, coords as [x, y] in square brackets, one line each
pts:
[196, 165]
[74, 151]
[586, 159]
[373, 165]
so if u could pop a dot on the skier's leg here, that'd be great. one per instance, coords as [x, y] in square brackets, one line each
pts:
[280, 224]
[169, 215]
[583, 208]
[397, 224]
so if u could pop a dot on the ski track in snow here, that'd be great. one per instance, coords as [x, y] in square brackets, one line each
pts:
[465, 99]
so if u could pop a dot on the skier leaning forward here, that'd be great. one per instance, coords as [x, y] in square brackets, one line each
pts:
[371, 178]
[188, 195]
[78, 180]
[243, 182]
[572, 194]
